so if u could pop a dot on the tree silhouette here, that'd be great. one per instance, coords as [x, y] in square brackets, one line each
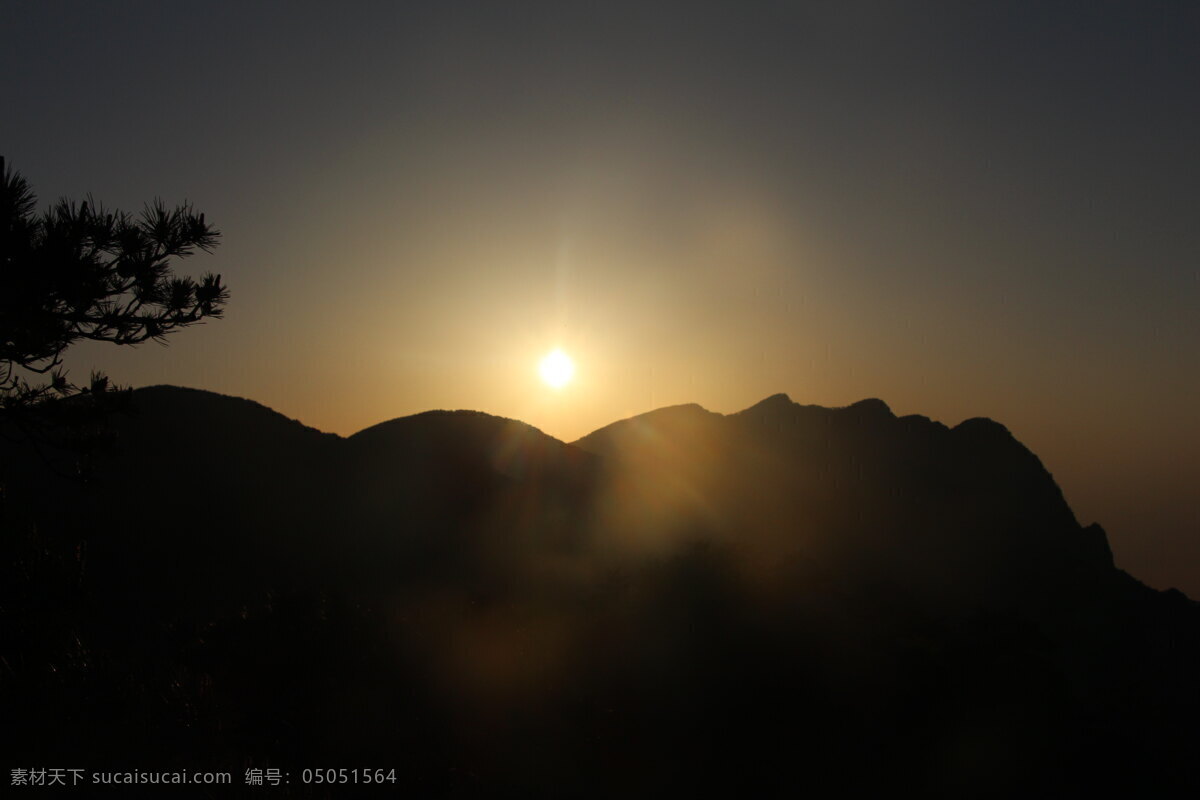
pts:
[81, 272]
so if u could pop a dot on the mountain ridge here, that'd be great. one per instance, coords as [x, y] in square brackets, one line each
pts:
[483, 598]
[773, 409]
[978, 430]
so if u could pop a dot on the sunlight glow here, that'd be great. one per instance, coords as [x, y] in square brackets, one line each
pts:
[556, 369]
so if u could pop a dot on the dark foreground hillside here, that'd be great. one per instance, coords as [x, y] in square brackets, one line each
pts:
[789, 599]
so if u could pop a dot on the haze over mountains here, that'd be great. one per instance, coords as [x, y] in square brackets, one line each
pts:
[788, 598]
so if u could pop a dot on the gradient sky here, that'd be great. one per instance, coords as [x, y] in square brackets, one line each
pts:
[965, 209]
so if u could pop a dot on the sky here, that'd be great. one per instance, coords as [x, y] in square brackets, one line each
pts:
[964, 209]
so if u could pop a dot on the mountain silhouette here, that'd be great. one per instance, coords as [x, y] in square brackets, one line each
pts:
[967, 511]
[789, 598]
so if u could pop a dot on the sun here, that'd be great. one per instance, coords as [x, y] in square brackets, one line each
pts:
[556, 369]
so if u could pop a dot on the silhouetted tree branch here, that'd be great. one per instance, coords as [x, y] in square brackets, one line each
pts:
[82, 272]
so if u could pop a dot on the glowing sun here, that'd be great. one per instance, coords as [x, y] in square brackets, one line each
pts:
[556, 369]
